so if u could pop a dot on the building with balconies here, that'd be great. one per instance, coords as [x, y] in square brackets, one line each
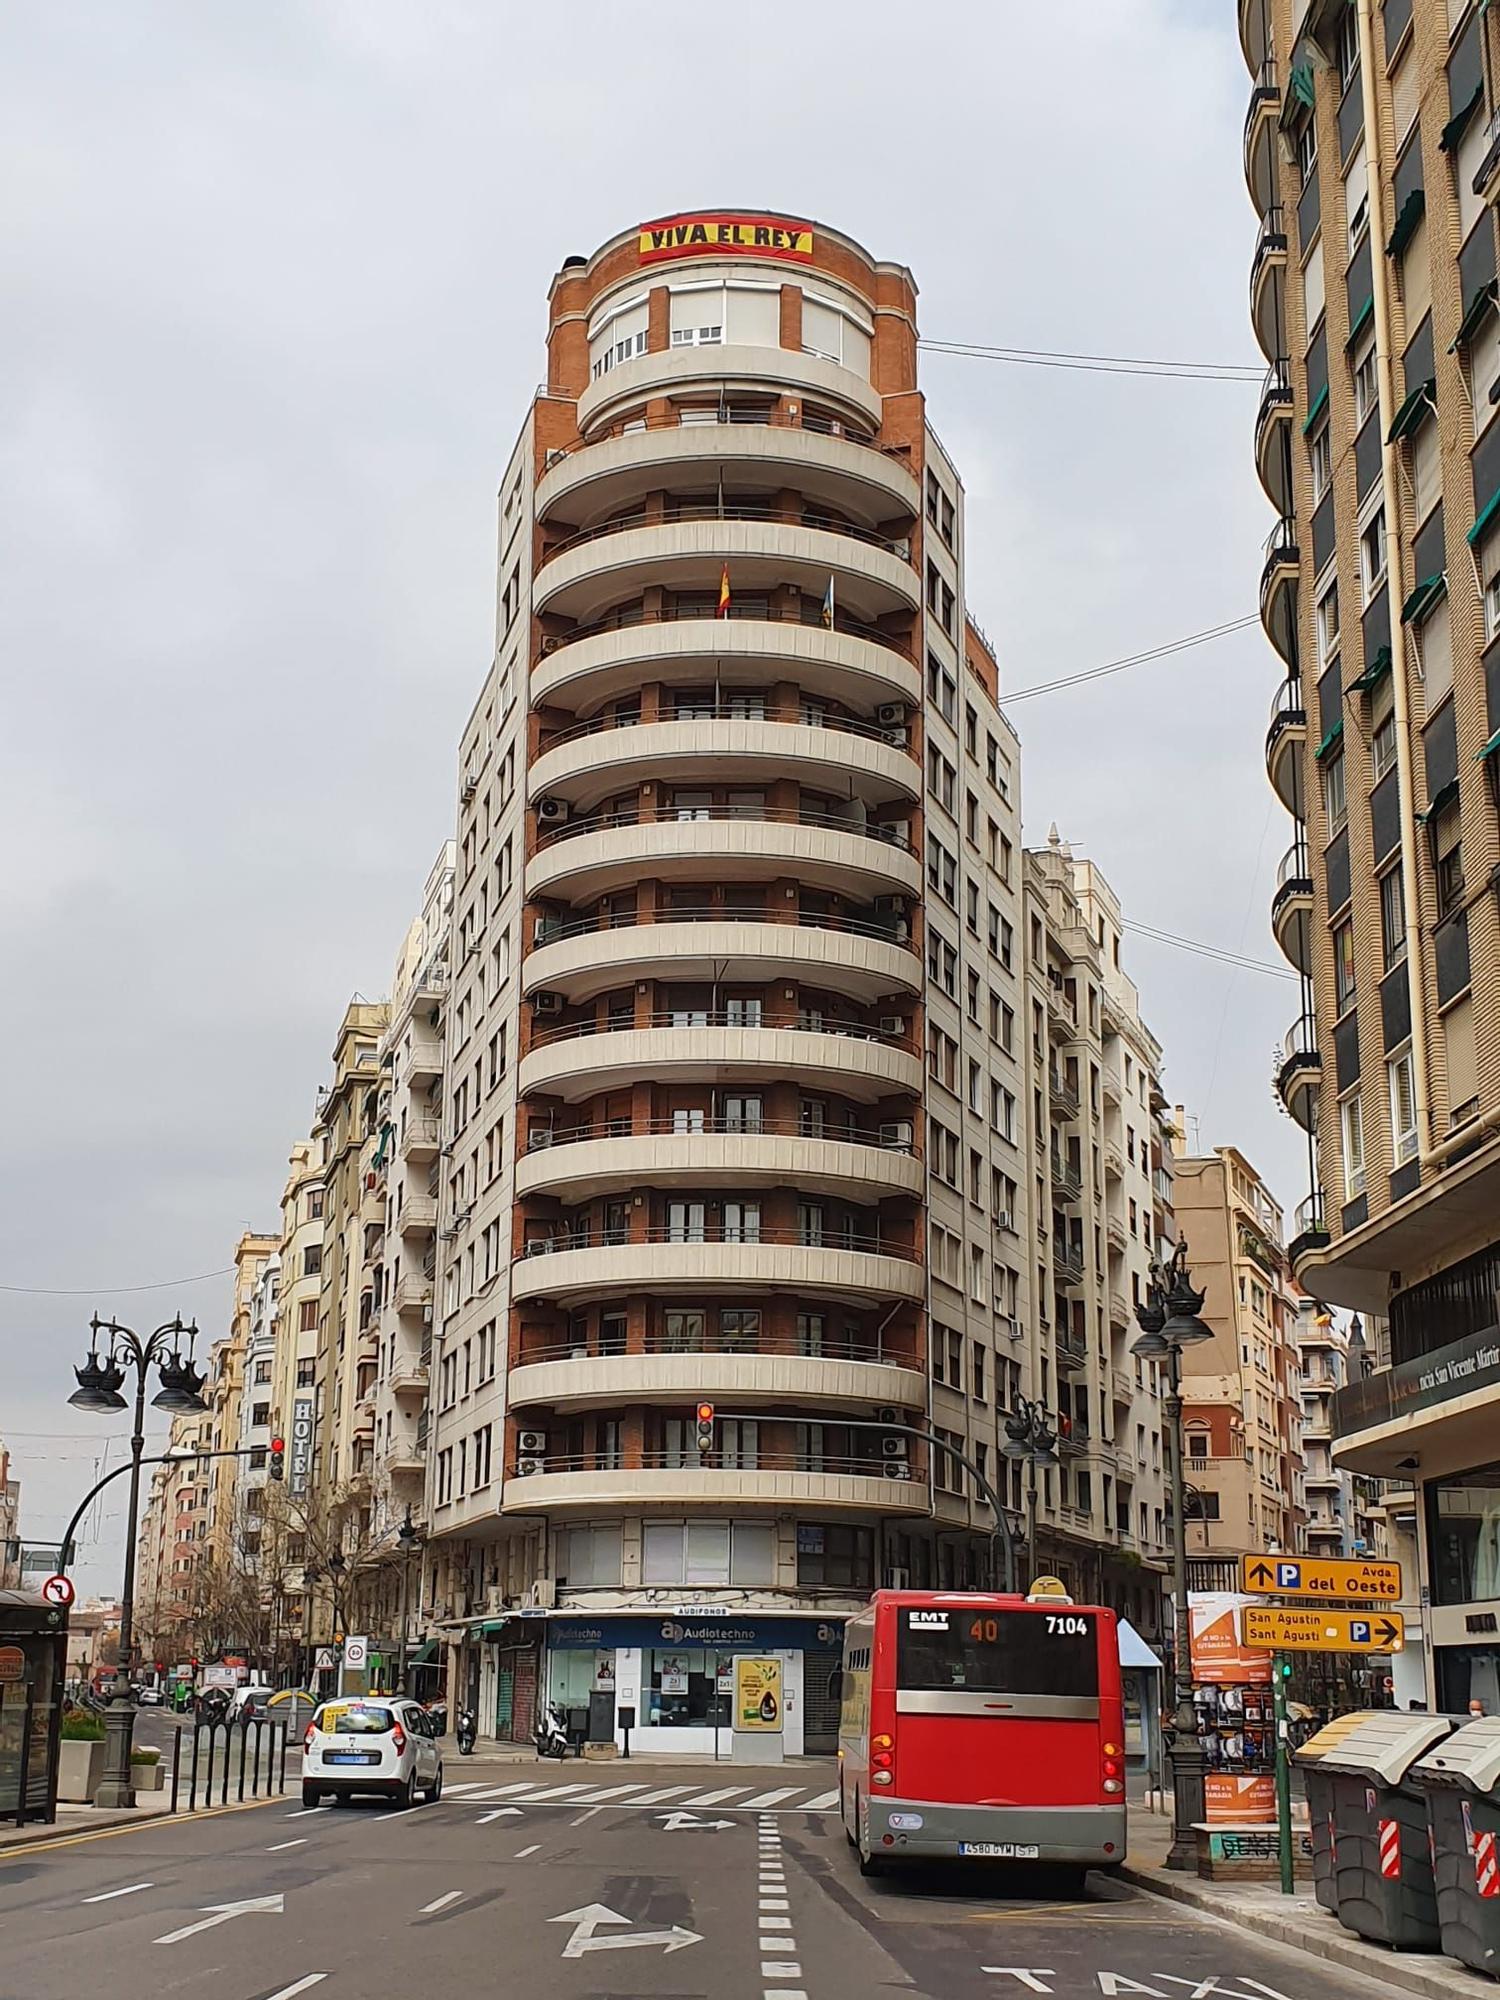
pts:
[1373, 294]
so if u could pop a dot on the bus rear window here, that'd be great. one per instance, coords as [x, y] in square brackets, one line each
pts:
[1007, 1652]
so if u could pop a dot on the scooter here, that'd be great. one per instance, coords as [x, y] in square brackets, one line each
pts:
[551, 1733]
[466, 1730]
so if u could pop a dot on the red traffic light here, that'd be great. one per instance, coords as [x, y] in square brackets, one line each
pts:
[278, 1444]
[277, 1463]
[705, 1414]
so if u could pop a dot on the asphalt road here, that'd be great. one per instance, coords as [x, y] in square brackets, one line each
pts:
[638, 1894]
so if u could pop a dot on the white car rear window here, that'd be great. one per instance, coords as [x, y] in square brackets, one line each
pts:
[352, 1718]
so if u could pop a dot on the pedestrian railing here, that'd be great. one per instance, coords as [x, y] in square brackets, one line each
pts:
[229, 1759]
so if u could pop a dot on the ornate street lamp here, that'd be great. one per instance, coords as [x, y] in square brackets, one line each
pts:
[1029, 1436]
[410, 1538]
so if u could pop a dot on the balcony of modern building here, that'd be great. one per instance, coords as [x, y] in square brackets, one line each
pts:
[1255, 33]
[1262, 136]
[417, 1218]
[1279, 579]
[1286, 739]
[1067, 1174]
[703, 376]
[413, 1291]
[1298, 1072]
[1309, 1228]
[1063, 1101]
[423, 1060]
[1273, 438]
[420, 1137]
[1292, 905]
[1067, 1255]
[1268, 284]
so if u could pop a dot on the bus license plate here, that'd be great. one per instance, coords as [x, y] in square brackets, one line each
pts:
[1000, 1850]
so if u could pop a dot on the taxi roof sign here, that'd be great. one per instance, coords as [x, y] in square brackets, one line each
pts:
[1048, 1589]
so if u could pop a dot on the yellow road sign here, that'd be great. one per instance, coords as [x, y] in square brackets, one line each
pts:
[1306, 1628]
[1307, 1576]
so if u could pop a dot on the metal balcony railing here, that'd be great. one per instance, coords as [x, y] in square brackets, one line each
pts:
[626, 616]
[896, 545]
[747, 708]
[711, 1340]
[721, 1017]
[894, 1136]
[603, 822]
[551, 930]
[716, 1230]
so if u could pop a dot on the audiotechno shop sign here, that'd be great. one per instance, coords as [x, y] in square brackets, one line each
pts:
[725, 235]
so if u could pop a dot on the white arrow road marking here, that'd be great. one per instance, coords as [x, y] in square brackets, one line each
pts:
[299, 1986]
[673, 1821]
[222, 1913]
[130, 1889]
[1031, 1976]
[586, 1921]
[442, 1902]
[500, 1812]
[1117, 1982]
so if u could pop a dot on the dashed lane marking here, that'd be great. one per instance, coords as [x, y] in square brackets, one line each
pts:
[130, 1889]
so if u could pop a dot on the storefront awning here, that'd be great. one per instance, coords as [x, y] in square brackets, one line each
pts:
[1134, 1652]
[424, 1655]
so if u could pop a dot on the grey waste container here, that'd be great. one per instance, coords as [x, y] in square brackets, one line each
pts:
[1460, 1777]
[1319, 1790]
[1382, 1863]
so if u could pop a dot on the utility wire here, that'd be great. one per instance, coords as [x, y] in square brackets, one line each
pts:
[1099, 364]
[1132, 660]
[96, 1291]
[1233, 958]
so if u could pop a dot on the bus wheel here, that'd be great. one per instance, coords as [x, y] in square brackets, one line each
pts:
[871, 1864]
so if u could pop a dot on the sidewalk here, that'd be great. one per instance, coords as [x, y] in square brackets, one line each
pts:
[73, 1820]
[1299, 1920]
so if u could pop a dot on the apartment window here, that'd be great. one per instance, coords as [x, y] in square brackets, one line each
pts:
[1343, 966]
[1403, 1107]
[1351, 1124]
[1383, 745]
[1307, 148]
[1364, 377]
[1335, 791]
[1449, 851]
[1393, 916]
[1328, 625]
[312, 1260]
[1372, 554]
[315, 1199]
[307, 1374]
[1357, 187]
[1349, 51]
[1320, 457]
[974, 998]
[307, 1316]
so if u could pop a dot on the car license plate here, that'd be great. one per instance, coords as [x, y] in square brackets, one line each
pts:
[1000, 1850]
[350, 1757]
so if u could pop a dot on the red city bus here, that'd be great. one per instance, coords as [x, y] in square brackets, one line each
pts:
[983, 1726]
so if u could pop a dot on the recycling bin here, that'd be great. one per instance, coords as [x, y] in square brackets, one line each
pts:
[1460, 1777]
[1382, 1861]
[1319, 1789]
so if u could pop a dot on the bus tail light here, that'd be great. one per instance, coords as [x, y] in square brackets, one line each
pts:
[881, 1778]
[1113, 1787]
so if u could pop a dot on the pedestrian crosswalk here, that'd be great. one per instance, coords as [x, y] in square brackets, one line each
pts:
[629, 1798]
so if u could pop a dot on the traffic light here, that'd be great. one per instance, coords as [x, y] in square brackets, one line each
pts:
[277, 1461]
[705, 1429]
[1284, 1668]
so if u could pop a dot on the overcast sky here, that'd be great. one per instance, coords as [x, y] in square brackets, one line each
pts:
[273, 289]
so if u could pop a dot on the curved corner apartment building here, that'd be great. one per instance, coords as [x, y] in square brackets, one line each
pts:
[734, 1106]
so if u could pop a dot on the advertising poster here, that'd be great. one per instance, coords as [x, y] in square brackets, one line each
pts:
[1219, 1654]
[1237, 1800]
[757, 1694]
[674, 1673]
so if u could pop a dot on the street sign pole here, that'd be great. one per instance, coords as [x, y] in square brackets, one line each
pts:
[1279, 1670]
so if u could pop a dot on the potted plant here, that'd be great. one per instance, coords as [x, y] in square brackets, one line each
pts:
[80, 1761]
[146, 1770]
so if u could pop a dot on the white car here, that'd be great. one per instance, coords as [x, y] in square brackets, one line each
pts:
[371, 1743]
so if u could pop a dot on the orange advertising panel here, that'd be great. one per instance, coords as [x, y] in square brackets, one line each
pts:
[727, 235]
[1219, 1653]
[1229, 1800]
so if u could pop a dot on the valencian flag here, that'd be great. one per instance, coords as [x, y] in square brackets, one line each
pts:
[723, 610]
[828, 606]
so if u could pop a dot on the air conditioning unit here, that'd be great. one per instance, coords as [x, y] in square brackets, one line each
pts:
[495, 1601]
[893, 1447]
[470, 786]
[553, 457]
[526, 1466]
[891, 906]
[898, 1135]
[551, 811]
[890, 713]
[546, 1003]
[892, 1024]
[539, 1138]
[895, 1579]
[896, 1471]
[886, 1415]
[896, 737]
[529, 1443]
[550, 643]
[542, 1594]
[901, 931]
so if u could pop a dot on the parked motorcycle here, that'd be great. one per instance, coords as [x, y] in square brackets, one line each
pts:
[551, 1733]
[466, 1731]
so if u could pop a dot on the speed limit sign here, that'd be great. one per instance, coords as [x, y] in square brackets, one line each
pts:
[356, 1653]
[58, 1590]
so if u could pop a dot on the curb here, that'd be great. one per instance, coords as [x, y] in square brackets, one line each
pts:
[61, 1832]
[1318, 1934]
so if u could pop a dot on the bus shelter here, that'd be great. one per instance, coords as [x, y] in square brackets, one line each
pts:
[33, 1667]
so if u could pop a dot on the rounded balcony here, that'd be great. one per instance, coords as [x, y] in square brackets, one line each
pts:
[1255, 32]
[1279, 579]
[1268, 285]
[866, 1163]
[865, 1065]
[585, 956]
[602, 852]
[855, 664]
[1286, 739]
[1261, 121]
[592, 760]
[1292, 907]
[821, 1483]
[1310, 1229]
[569, 1270]
[1273, 438]
[1299, 1071]
[873, 574]
[734, 368]
[764, 1378]
[592, 479]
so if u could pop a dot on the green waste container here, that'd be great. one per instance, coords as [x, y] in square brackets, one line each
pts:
[1319, 1790]
[1382, 1859]
[1461, 1780]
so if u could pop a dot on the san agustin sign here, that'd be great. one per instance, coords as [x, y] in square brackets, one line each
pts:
[733, 235]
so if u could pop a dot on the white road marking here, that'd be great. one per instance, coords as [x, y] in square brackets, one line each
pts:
[442, 1902]
[130, 1889]
[671, 1792]
[773, 1903]
[587, 1920]
[613, 1792]
[1029, 1975]
[780, 1968]
[589, 1812]
[784, 1993]
[776, 1923]
[503, 1791]
[673, 1822]
[820, 1804]
[770, 1798]
[778, 1944]
[221, 1913]
[500, 1812]
[557, 1792]
[282, 1846]
[306, 1812]
[473, 1785]
[717, 1798]
[527, 1850]
[314, 1978]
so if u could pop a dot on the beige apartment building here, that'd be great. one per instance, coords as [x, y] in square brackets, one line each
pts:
[1371, 158]
[231, 1509]
[10, 1523]
[1241, 1392]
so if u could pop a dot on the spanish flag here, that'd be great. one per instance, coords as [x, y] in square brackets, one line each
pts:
[723, 610]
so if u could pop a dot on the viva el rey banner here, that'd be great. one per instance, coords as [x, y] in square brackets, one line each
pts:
[1219, 1654]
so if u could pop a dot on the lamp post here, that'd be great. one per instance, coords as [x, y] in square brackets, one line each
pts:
[410, 1538]
[1169, 1322]
[1029, 1436]
[181, 1393]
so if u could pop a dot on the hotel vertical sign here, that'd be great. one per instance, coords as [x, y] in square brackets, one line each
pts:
[300, 1477]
